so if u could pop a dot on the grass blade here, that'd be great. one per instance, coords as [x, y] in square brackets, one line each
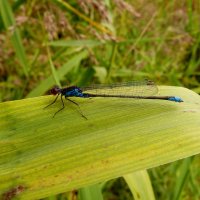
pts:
[50, 81]
[9, 21]
[91, 193]
[75, 43]
[140, 185]
[182, 177]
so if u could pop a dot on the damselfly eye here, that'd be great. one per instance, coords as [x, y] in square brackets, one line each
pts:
[55, 90]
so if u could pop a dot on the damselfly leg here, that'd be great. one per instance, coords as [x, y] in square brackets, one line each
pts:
[52, 102]
[63, 106]
[79, 109]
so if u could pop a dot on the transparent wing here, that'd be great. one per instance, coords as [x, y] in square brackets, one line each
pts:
[133, 88]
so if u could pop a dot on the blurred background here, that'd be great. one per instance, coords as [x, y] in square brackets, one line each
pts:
[47, 43]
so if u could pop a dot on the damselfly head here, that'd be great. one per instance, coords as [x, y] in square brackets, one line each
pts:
[55, 90]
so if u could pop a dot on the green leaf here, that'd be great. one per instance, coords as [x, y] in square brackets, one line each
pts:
[41, 156]
[140, 185]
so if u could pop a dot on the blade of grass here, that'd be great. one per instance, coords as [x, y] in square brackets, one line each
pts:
[140, 185]
[53, 70]
[8, 20]
[49, 82]
[194, 174]
[183, 173]
[75, 43]
[46, 155]
[91, 193]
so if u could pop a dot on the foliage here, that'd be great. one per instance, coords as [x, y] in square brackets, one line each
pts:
[44, 43]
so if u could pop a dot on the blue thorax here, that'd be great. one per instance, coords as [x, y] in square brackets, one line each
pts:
[73, 91]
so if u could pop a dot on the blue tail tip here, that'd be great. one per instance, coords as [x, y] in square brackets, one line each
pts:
[176, 99]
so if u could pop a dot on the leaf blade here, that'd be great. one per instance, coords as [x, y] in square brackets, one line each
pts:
[69, 152]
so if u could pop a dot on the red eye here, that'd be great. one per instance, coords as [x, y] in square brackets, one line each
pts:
[55, 90]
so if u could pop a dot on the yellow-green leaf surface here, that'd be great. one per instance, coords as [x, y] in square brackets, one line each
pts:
[41, 155]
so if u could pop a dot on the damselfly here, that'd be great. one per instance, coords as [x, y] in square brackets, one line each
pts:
[135, 89]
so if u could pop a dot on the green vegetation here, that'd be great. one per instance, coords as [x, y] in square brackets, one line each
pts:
[44, 43]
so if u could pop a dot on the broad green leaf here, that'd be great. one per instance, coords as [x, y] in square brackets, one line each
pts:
[41, 156]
